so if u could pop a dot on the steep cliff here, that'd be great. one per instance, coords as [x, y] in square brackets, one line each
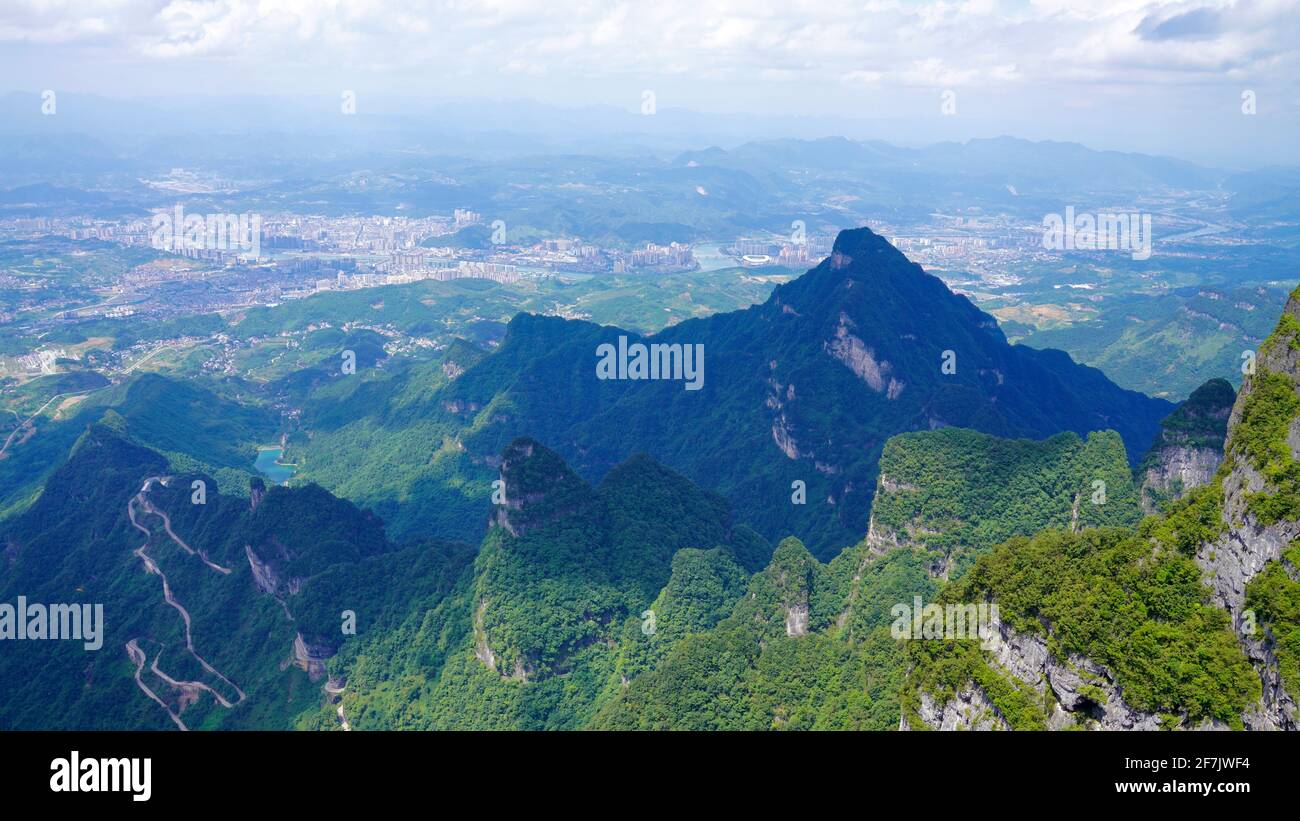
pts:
[1190, 621]
[1106, 628]
[1250, 564]
[1019, 675]
[1189, 448]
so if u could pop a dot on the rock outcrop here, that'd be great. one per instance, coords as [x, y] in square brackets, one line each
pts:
[1081, 693]
[311, 656]
[256, 492]
[1189, 448]
[1249, 541]
[535, 488]
[968, 709]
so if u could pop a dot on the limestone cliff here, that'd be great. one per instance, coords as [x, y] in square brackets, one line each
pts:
[1190, 446]
[1260, 517]
[1072, 690]
[1243, 531]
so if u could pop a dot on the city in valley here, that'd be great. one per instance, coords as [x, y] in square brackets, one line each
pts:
[68, 271]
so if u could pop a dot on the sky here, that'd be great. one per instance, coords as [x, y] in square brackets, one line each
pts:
[1157, 77]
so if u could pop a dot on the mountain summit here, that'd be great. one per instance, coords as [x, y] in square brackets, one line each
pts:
[799, 396]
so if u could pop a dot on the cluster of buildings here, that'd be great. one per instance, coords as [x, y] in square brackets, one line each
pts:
[42, 362]
[401, 269]
[356, 235]
[675, 255]
[757, 253]
[393, 245]
[439, 271]
[300, 255]
[128, 232]
[948, 246]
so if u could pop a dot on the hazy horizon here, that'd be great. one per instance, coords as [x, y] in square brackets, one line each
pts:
[1164, 78]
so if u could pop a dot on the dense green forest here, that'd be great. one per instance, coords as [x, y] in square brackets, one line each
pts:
[640, 602]
[539, 631]
[76, 543]
[960, 492]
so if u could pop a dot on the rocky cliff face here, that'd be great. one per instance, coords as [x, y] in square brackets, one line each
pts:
[1244, 530]
[968, 709]
[1189, 448]
[1247, 543]
[256, 493]
[311, 656]
[1081, 693]
[1176, 470]
[535, 488]
[270, 580]
[1259, 521]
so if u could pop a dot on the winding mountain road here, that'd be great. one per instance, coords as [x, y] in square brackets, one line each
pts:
[24, 425]
[137, 655]
[133, 649]
[167, 526]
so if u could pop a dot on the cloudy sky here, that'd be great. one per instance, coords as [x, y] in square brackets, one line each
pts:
[1130, 74]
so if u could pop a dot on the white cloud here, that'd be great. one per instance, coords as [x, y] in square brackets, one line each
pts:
[871, 44]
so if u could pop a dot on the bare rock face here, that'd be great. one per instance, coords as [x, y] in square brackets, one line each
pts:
[880, 540]
[1085, 692]
[1277, 708]
[268, 579]
[1082, 692]
[1178, 469]
[1246, 545]
[264, 575]
[968, 709]
[311, 656]
[860, 359]
[782, 437]
[256, 492]
[796, 620]
[1189, 448]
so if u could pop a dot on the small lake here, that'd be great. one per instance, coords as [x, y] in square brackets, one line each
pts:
[268, 464]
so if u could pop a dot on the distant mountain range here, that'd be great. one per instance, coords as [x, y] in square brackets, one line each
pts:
[1002, 161]
[67, 164]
